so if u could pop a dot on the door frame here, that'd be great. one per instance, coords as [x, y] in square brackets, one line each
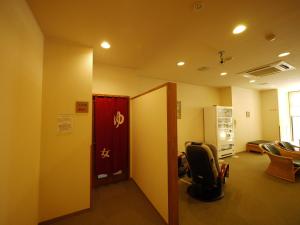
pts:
[94, 182]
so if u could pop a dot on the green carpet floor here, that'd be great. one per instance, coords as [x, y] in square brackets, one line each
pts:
[251, 198]
[117, 204]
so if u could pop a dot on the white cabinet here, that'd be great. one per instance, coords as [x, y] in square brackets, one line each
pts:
[219, 130]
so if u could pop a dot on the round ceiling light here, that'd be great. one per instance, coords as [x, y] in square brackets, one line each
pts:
[181, 63]
[223, 74]
[105, 45]
[252, 81]
[283, 54]
[239, 29]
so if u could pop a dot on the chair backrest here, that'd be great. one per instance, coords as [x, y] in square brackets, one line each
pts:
[271, 148]
[215, 154]
[192, 143]
[286, 145]
[202, 165]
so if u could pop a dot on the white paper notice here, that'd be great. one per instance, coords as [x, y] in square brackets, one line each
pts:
[64, 124]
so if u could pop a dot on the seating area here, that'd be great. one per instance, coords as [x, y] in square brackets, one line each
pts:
[282, 163]
[200, 166]
[254, 180]
[251, 196]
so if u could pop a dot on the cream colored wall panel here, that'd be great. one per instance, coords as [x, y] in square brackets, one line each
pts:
[149, 147]
[246, 128]
[270, 115]
[21, 73]
[120, 81]
[193, 100]
[225, 96]
[65, 158]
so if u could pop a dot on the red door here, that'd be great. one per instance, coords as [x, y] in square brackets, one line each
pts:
[111, 139]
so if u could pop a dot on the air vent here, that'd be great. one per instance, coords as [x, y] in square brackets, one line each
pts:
[270, 69]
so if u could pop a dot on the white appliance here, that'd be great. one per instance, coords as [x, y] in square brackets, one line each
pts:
[219, 129]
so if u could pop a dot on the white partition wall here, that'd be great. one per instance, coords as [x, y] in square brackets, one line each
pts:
[65, 157]
[154, 149]
[21, 69]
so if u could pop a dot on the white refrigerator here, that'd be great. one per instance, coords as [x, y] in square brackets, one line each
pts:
[219, 129]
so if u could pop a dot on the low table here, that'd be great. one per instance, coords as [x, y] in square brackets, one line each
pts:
[253, 146]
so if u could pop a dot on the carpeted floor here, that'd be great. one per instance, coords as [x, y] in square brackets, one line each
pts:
[251, 198]
[117, 204]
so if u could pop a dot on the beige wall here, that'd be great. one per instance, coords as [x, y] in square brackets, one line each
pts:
[21, 67]
[225, 96]
[120, 81]
[270, 115]
[65, 158]
[246, 129]
[123, 81]
[149, 147]
[193, 100]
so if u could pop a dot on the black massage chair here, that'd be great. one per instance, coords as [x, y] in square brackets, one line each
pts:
[207, 176]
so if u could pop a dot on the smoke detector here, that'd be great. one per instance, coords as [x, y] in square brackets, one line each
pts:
[203, 68]
[197, 6]
[269, 69]
[263, 84]
[270, 37]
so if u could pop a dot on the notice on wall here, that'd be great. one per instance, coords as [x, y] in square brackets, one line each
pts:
[247, 114]
[64, 123]
[82, 107]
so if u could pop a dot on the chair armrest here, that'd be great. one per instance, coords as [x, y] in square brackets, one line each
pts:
[262, 149]
[290, 154]
[281, 161]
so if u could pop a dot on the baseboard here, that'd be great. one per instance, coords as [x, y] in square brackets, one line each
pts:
[54, 220]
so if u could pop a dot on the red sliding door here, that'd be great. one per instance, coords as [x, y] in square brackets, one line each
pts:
[111, 139]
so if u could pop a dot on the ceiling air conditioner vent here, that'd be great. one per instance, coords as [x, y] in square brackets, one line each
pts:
[270, 69]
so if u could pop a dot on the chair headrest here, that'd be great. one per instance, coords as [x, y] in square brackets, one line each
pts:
[271, 148]
[187, 143]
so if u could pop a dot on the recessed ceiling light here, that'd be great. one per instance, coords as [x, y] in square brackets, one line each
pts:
[246, 75]
[181, 63]
[284, 54]
[223, 74]
[252, 81]
[105, 45]
[239, 29]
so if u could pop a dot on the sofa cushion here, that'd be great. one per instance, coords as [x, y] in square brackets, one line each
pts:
[286, 145]
[258, 142]
[271, 148]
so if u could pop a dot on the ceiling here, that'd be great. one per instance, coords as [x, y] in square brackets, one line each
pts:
[151, 36]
